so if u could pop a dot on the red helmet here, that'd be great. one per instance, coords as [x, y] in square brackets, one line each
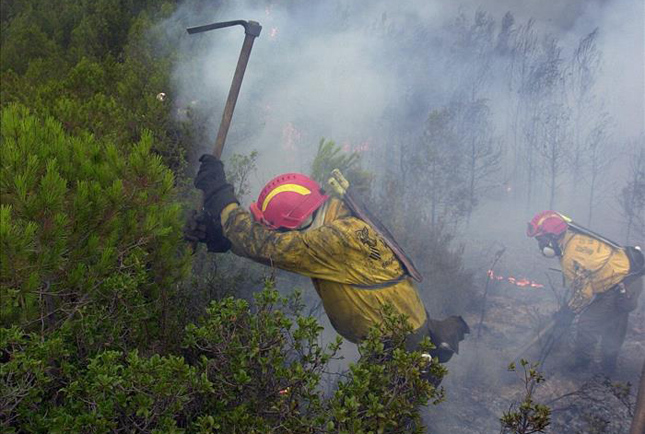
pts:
[287, 201]
[547, 223]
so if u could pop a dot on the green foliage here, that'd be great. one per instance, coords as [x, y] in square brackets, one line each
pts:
[528, 416]
[246, 369]
[85, 28]
[385, 388]
[127, 390]
[86, 232]
[45, 389]
[240, 167]
[330, 156]
[29, 373]
[267, 364]
[96, 66]
[22, 42]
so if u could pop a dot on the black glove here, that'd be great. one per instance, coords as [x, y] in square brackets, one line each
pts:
[211, 179]
[627, 295]
[564, 317]
[202, 228]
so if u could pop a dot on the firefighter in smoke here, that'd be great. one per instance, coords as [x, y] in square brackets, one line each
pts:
[295, 226]
[604, 278]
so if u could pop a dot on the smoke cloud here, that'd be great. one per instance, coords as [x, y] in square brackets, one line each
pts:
[367, 75]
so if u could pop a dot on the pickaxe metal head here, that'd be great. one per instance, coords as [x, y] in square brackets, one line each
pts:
[252, 28]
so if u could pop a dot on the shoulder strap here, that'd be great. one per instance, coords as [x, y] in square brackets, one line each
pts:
[583, 230]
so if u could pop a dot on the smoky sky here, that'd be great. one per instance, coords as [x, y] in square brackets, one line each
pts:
[366, 74]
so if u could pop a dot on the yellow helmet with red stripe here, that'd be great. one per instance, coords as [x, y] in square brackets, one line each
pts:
[287, 201]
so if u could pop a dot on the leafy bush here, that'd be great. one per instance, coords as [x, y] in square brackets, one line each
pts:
[88, 235]
[528, 416]
[48, 389]
[330, 156]
[95, 66]
[246, 369]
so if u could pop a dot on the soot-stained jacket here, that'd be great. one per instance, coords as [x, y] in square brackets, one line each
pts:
[590, 267]
[352, 269]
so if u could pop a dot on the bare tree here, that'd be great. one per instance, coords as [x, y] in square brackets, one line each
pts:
[553, 122]
[472, 54]
[524, 47]
[600, 158]
[481, 152]
[436, 163]
[505, 35]
[539, 79]
[581, 74]
[632, 199]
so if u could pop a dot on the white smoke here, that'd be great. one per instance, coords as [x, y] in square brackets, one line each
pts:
[350, 72]
[368, 74]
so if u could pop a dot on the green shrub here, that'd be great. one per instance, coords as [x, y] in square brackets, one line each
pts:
[527, 416]
[245, 369]
[95, 66]
[88, 234]
[331, 156]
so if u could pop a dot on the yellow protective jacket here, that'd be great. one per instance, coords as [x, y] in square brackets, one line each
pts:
[352, 269]
[590, 266]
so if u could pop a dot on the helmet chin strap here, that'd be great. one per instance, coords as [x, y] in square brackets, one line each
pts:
[318, 217]
[306, 224]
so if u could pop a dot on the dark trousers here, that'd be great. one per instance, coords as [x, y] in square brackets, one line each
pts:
[604, 322]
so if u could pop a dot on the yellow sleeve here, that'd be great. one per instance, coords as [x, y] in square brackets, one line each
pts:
[318, 253]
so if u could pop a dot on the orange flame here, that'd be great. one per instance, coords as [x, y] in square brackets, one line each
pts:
[521, 282]
[363, 146]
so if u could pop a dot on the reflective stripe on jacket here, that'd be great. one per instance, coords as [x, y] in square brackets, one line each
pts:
[353, 271]
[590, 267]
